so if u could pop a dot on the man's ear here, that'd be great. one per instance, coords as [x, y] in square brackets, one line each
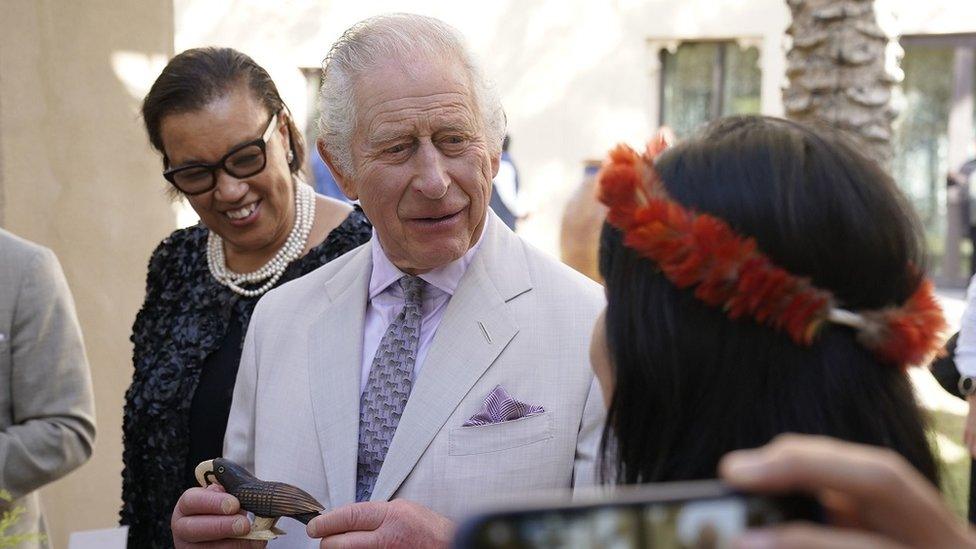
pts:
[344, 182]
[496, 161]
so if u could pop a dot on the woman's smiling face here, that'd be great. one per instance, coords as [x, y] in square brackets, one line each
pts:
[253, 215]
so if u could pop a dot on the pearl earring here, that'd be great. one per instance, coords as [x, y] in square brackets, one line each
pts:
[290, 156]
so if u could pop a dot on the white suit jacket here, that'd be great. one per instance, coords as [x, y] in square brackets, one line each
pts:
[518, 319]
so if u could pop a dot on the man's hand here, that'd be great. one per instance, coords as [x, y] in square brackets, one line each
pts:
[397, 523]
[969, 434]
[207, 517]
[873, 497]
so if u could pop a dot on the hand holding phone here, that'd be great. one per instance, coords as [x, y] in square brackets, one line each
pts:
[872, 497]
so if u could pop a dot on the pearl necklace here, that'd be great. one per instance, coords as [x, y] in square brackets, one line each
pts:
[273, 269]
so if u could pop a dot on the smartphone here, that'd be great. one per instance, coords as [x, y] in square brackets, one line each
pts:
[693, 515]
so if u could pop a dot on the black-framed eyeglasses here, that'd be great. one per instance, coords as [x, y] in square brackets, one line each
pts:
[243, 161]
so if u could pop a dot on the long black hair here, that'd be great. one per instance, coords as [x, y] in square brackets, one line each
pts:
[691, 384]
[195, 77]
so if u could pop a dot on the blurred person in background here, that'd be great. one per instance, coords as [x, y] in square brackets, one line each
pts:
[762, 278]
[961, 183]
[231, 149]
[505, 189]
[956, 371]
[581, 225]
[47, 410]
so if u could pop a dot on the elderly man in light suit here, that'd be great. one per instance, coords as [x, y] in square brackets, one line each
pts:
[444, 362]
[47, 411]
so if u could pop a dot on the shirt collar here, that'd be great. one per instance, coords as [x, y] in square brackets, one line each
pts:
[446, 278]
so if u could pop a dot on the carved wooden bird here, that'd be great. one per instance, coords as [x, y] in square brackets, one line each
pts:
[268, 500]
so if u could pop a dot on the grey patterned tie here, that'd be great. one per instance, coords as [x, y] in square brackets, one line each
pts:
[388, 386]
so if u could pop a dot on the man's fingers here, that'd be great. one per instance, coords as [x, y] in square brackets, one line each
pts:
[352, 540]
[809, 536]
[365, 516]
[206, 501]
[198, 528]
[208, 514]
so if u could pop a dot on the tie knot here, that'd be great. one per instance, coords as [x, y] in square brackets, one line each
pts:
[413, 289]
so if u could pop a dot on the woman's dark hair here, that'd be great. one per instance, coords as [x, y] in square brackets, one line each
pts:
[194, 78]
[691, 384]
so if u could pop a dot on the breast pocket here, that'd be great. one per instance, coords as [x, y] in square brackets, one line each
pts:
[483, 439]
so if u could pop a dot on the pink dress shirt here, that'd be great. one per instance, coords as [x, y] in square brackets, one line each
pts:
[386, 301]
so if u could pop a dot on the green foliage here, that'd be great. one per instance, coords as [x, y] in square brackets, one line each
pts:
[955, 468]
[8, 520]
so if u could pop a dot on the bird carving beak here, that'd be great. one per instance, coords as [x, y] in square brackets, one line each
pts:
[205, 473]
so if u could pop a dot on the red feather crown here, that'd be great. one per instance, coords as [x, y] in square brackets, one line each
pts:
[726, 270]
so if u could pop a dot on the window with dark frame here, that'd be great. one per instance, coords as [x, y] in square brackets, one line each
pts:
[701, 81]
[933, 136]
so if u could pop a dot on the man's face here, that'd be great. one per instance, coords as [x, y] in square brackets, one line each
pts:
[422, 167]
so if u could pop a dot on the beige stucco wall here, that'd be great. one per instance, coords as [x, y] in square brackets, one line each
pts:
[77, 176]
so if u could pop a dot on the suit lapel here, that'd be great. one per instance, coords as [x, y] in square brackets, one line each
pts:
[334, 369]
[476, 327]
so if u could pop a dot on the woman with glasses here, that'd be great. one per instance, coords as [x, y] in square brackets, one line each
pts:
[231, 149]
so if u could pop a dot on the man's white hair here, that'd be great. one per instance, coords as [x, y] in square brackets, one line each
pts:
[400, 36]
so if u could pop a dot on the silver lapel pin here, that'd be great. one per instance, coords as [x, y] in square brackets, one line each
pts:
[485, 331]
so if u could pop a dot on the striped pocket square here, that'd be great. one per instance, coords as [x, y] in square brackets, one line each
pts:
[500, 407]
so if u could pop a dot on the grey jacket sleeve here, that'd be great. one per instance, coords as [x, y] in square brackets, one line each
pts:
[51, 425]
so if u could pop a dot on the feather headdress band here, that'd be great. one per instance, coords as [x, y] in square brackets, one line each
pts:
[727, 270]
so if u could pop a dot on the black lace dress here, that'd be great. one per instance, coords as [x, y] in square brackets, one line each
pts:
[184, 327]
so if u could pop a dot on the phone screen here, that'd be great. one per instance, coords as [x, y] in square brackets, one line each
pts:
[700, 523]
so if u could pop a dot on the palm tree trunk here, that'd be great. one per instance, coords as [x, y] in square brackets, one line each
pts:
[841, 69]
